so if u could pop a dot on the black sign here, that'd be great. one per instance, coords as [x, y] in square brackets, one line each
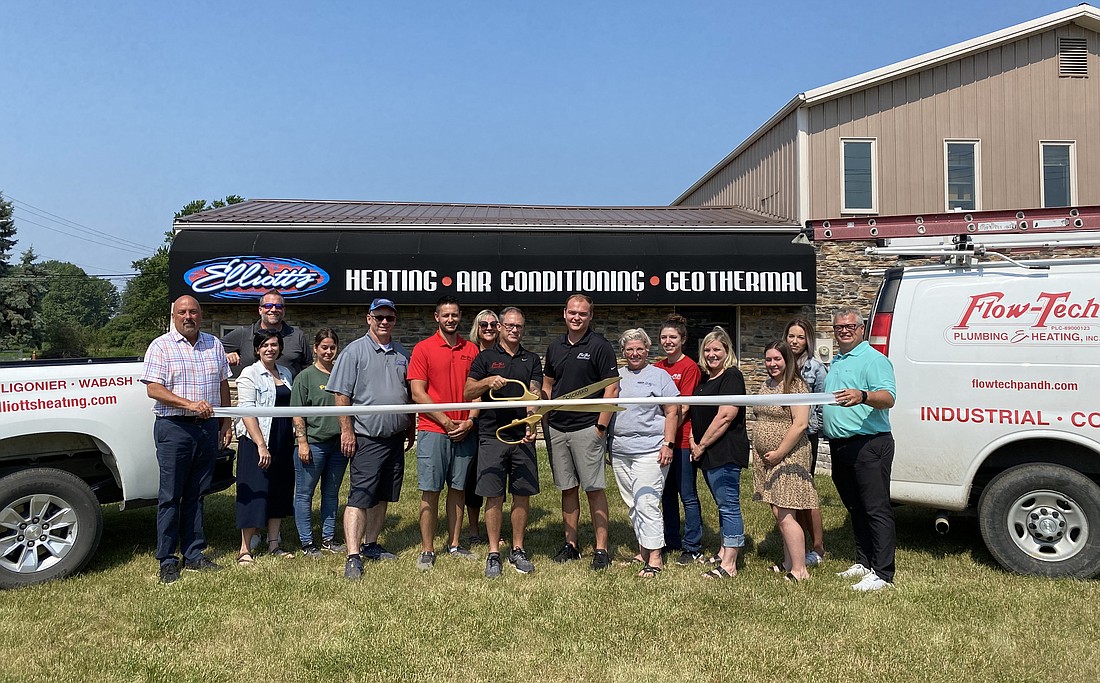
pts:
[494, 267]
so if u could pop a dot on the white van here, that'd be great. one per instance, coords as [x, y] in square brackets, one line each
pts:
[998, 406]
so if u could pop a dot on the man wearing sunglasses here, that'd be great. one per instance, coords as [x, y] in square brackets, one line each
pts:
[372, 370]
[240, 353]
[862, 448]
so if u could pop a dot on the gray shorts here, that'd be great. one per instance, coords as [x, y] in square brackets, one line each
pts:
[441, 462]
[577, 459]
[499, 464]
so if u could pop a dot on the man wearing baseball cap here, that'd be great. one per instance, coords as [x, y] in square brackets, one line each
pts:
[372, 371]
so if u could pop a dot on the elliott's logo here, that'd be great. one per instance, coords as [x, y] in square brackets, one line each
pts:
[1049, 307]
[244, 277]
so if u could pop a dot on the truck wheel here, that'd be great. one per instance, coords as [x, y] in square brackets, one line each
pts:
[1042, 519]
[50, 524]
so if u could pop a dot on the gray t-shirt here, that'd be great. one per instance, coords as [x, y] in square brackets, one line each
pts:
[372, 375]
[640, 429]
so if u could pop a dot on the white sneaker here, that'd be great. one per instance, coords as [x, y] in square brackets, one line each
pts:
[856, 571]
[871, 582]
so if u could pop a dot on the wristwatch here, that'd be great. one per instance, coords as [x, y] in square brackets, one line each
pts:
[863, 398]
[670, 444]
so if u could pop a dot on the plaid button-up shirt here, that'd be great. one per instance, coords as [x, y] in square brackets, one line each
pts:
[191, 372]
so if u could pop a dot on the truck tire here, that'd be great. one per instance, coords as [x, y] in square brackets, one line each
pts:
[1043, 519]
[50, 525]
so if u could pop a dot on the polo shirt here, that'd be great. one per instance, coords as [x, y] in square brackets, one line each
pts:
[573, 366]
[525, 366]
[191, 372]
[686, 374]
[444, 368]
[297, 352]
[861, 368]
[372, 375]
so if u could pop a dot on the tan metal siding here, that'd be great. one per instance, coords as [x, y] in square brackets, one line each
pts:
[764, 177]
[1009, 97]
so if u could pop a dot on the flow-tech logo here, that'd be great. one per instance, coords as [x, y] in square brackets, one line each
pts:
[247, 277]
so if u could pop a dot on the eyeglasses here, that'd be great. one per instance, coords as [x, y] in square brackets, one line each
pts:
[488, 324]
[511, 326]
[850, 327]
[268, 307]
[384, 318]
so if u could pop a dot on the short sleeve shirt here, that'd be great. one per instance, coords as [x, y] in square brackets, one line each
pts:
[373, 375]
[309, 390]
[686, 374]
[444, 368]
[191, 372]
[525, 366]
[640, 429]
[733, 446]
[861, 368]
[573, 366]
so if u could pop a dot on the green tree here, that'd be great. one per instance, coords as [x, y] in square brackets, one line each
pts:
[21, 292]
[7, 235]
[74, 308]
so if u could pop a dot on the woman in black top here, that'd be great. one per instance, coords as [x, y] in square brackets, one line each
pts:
[720, 444]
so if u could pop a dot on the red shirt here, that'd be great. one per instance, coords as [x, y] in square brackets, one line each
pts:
[444, 368]
[685, 375]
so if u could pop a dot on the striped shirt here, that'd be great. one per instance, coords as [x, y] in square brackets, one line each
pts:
[191, 372]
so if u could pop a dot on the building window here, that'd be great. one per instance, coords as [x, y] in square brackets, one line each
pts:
[1057, 165]
[858, 177]
[962, 174]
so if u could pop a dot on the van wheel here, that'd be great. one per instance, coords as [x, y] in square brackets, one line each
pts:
[1041, 519]
[50, 524]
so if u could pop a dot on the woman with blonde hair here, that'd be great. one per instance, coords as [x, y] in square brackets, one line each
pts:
[484, 332]
[720, 444]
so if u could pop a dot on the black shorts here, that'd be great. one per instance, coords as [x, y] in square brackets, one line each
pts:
[499, 463]
[377, 470]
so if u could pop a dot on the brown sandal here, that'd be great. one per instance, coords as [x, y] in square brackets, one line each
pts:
[245, 560]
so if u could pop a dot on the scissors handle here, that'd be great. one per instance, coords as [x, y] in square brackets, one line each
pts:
[529, 421]
[525, 396]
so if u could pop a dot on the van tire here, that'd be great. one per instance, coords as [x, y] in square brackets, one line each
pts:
[1043, 519]
[61, 541]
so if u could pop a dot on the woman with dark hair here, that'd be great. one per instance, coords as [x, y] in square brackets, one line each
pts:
[484, 332]
[802, 339]
[781, 468]
[720, 444]
[681, 482]
[265, 472]
[320, 459]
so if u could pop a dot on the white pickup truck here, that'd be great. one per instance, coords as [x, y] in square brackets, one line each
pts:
[74, 435]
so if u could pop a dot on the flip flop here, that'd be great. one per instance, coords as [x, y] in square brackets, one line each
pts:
[776, 569]
[245, 560]
[717, 573]
[649, 571]
[791, 578]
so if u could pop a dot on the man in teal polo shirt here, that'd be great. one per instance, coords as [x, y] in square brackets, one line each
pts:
[862, 448]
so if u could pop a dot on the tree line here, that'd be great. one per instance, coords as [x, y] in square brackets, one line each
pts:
[54, 309]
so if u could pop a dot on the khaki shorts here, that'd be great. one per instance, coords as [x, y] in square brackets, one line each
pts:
[577, 459]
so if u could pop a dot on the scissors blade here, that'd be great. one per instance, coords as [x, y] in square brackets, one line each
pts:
[584, 392]
[595, 408]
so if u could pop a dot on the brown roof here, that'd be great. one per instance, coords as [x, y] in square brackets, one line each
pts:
[293, 213]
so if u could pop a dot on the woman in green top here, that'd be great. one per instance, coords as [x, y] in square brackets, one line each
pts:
[319, 457]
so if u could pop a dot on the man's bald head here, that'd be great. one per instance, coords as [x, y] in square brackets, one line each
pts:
[187, 317]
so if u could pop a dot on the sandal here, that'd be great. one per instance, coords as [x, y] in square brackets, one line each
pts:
[777, 569]
[280, 553]
[791, 578]
[631, 562]
[717, 573]
[245, 560]
[649, 571]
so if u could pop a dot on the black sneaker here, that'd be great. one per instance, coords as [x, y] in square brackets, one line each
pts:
[689, 557]
[426, 561]
[492, 566]
[333, 547]
[203, 564]
[519, 560]
[568, 553]
[601, 560]
[375, 551]
[311, 550]
[461, 553]
[170, 571]
[353, 568]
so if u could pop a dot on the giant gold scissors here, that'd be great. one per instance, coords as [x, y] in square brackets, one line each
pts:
[533, 419]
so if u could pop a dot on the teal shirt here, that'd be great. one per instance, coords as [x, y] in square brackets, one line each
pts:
[861, 368]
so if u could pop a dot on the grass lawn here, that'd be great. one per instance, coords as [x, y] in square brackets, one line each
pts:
[953, 616]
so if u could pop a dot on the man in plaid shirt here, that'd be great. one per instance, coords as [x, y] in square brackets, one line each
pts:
[187, 374]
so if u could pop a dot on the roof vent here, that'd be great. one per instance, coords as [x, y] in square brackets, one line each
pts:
[1073, 58]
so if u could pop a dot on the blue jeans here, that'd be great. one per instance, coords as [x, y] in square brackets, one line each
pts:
[725, 483]
[327, 465]
[680, 486]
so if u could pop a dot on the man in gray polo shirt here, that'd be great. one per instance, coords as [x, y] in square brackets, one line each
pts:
[372, 371]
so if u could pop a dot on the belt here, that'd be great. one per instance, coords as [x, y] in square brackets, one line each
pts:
[187, 419]
[864, 437]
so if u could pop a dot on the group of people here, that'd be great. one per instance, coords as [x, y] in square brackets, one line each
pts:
[656, 449]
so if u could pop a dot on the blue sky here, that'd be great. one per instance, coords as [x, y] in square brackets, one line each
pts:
[113, 115]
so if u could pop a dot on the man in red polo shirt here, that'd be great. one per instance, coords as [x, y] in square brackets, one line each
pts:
[445, 442]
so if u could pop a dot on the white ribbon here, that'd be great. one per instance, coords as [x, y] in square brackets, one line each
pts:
[725, 400]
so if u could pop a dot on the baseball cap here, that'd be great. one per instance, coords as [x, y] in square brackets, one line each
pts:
[382, 303]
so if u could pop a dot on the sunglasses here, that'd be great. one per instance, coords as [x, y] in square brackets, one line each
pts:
[384, 318]
[488, 324]
[268, 307]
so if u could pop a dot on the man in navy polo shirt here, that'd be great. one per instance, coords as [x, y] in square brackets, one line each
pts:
[577, 440]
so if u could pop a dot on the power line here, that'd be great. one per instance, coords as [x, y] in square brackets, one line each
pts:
[46, 215]
[86, 239]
